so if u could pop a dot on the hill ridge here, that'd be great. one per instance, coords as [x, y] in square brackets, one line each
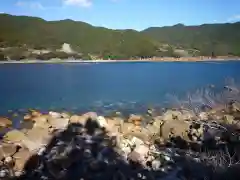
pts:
[178, 40]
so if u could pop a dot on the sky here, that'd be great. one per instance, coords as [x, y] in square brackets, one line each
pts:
[128, 14]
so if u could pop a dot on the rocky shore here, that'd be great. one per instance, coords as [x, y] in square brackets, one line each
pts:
[178, 144]
[164, 59]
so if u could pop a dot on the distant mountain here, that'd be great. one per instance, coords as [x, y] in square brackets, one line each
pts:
[178, 40]
[222, 39]
[85, 38]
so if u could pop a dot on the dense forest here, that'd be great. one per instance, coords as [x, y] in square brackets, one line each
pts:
[19, 34]
[222, 39]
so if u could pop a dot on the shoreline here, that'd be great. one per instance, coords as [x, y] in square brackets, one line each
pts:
[114, 61]
[39, 135]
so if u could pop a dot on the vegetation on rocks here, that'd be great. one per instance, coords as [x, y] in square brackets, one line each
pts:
[175, 41]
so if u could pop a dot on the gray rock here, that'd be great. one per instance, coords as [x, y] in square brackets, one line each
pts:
[156, 164]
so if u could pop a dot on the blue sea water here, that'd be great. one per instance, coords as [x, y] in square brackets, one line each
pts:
[105, 87]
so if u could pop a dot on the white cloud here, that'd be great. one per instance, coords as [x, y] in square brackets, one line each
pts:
[81, 3]
[234, 18]
[32, 5]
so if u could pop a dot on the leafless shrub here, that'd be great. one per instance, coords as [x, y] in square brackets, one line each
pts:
[207, 98]
[219, 160]
[232, 90]
[202, 98]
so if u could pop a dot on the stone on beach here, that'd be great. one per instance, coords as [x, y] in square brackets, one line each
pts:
[5, 122]
[35, 113]
[135, 140]
[27, 117]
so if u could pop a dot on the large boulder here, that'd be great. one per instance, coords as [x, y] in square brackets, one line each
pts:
[38, 134]
[111, 125]
[91, 115]
[171, 115]
[175, 128]
[55, 114]
[7, 150]
[187, 115]
[14, 136]
[42, 125]
[5, 122]
[41, 122]
[127, 127]
[41, 119]
[153, 129]
[26, 125]
[136, 119]
[65, 115]
[21, 158]
[36, 138]
[103, 122]
[228, 119]
[138, 136]
[236, 107]
[78, 119]
[58, 123]
[35, 113]
[27, 117]
[203, 116]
